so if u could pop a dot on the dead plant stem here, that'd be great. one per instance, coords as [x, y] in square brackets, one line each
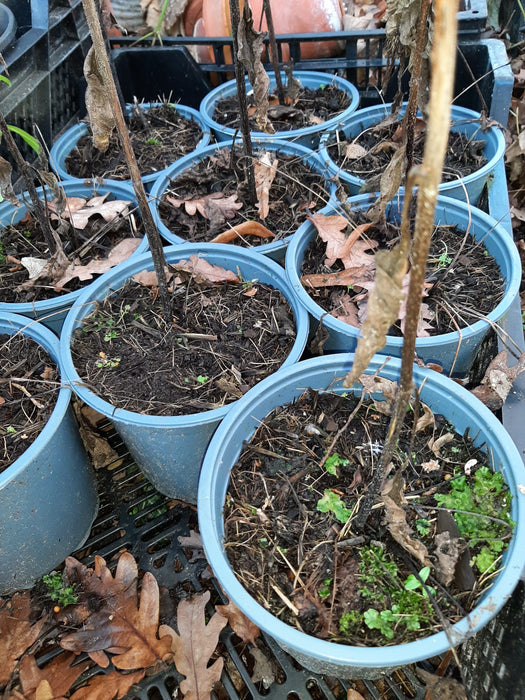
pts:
[243, 106]
[427, 177]
[154, 240]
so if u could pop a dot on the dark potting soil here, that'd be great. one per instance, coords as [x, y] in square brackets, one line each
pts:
[295, 192]
[288, 522]
[159, 137]
[466, 281]
[311, 107]
[28, 393]
[25, 239]
[464, 155]
[224, 339]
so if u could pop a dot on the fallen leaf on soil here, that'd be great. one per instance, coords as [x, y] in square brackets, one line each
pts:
[331, 229]
[34, 266]
[389, 184]
[118, 254]
[59, 674]
[193, 542]
[194, 645]
[395, 519]
[426, 420]
[431, 466]
[203, 271]
[441, 688]
[497, 382]
[345, 309]
[79, 210]
[108, 686]
[355, 150]
[386, 387]
[436, 445]
[97, 104]
[240, 624]
[447, 552]
[361, 276]
[246, 228]
[265, 169]
[119, 626]
[6, 188]
[17, 631]
[383, 306]
[215, 206]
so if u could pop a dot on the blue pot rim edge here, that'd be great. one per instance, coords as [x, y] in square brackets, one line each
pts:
[101, 285]
[49, 341]
[512, 286]
[320, 77]
[398, 655]
[68, 140]
[494, 132]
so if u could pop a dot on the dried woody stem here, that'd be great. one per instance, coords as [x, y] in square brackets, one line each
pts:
[243, 106]
[427, 178]
[274, 53]
[415, 80]
[25, 171]
[154, 240]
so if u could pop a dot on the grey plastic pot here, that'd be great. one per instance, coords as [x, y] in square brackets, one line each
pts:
[7, 27]
[170, 449]
[464, 121]
[454, 352]
[443, 396]
[51, 312]
[67, 142]
[48, 496]
[276, 248]
[307, 136]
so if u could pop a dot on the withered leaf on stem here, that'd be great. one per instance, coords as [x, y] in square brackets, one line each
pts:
[498, 379]
[194, 645]
[97, 104]
[265, 169]
[250, 49]
[383, 308]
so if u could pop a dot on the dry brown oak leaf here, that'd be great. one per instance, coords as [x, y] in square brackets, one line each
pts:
[127, 624]
[194, 645]
[17, 632]
[109, 686]
[56, 677]
[243, 627]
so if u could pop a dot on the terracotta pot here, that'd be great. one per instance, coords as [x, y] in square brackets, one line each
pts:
[290, 17]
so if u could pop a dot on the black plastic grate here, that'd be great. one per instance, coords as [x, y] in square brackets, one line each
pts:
[133, 516]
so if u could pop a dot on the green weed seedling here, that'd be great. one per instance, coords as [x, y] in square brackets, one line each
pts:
[332, 503]
[481, 507]
[333, 462]
[63, 595]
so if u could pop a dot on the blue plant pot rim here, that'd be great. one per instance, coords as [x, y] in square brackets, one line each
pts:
[512, 285]
[52, 305]
[270, 143]
[458, 115]
[98, 291]
[70, 138]
[49, 341]
[329, 652]
[230, 87]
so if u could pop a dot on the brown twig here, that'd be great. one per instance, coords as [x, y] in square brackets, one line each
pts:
[243, 106]
[154, 240]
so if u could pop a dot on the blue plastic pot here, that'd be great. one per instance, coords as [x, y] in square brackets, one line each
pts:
[48, 496]
[274, 249]
[170, 449]
[454, 352]
[464, 121]
[307, 136]
[51, 312]
[443, 396]
[68, 141]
